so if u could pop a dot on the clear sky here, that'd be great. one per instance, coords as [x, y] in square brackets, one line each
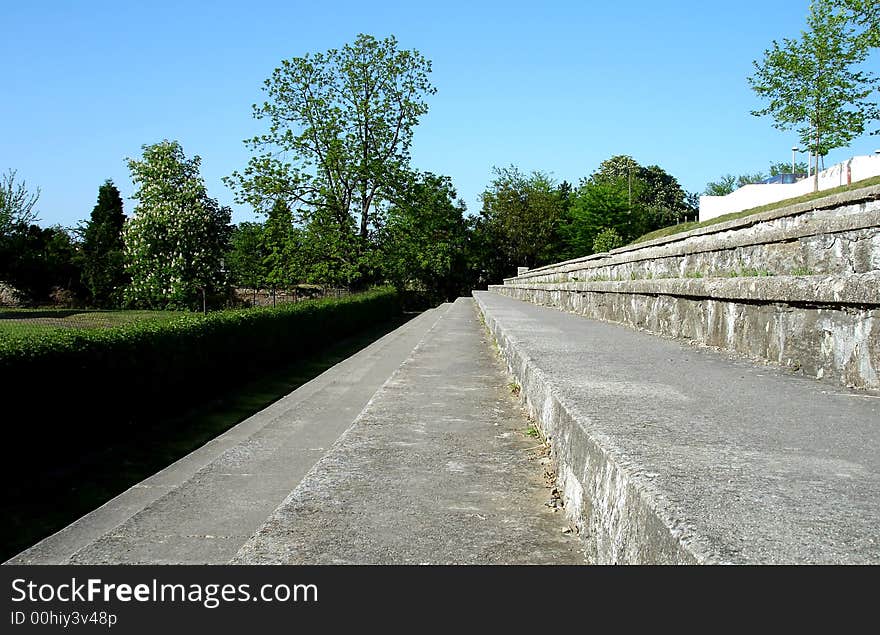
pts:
[552, 86]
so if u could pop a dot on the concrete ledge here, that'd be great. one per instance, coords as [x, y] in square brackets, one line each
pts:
[825, 327]
[673, 455]
[855, 290]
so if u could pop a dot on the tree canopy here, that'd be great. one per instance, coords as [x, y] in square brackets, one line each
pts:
[864, 15]
[623, 196]
[815, 84]
[518, 223]
[654, 196]
[279, 246]
[425, 240]
[246, 256]
[340, 130]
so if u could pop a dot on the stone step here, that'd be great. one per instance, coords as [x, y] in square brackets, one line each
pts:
[200, 509]
[671, 454]
[823, 326]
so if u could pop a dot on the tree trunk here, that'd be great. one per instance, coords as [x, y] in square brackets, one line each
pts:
[365, 213]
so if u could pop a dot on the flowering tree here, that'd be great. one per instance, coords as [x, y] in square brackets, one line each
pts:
[16, 204]
[175, 242]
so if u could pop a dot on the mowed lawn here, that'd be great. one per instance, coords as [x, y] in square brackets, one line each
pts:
[16, 322]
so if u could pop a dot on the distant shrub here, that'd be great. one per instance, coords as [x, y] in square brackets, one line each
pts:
[10, 296]
[606, 240]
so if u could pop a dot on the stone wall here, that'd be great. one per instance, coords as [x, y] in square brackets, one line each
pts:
[799, 286]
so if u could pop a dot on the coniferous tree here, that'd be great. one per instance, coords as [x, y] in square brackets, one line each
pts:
[246, 257]
[103, 262]
[279, 247]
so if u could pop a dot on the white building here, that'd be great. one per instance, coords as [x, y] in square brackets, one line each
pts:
[757, 194]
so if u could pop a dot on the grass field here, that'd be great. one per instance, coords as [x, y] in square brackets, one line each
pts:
[15, 322]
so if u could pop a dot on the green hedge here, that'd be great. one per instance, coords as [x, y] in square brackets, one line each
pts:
[75, 386]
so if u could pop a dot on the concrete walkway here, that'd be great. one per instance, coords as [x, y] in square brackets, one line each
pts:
[670, 453]
[436, 469]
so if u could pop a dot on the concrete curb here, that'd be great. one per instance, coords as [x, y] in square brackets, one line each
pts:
[825, 329]
[619, 515]
[670, 454]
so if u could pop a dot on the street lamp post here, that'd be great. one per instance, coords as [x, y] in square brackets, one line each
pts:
[793, 150]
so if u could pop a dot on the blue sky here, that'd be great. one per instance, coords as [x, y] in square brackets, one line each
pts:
[553, 86]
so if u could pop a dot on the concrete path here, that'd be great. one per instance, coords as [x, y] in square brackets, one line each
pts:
[677, 454]
[203, 507]
[436, 470]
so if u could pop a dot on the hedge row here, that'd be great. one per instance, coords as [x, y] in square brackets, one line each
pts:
[79, 384]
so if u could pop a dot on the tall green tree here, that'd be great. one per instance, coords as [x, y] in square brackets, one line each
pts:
[664, 199]
[655, 197]
[621, 200]
[425, 240]
[340, 130]
[280, 247]
[600, 204]
[864, 15]
[103, 261]
[41, 262]
[176, 240]
[245, 259]
[330, 252]
[519, 221]
[17, 214]
[816, 85]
